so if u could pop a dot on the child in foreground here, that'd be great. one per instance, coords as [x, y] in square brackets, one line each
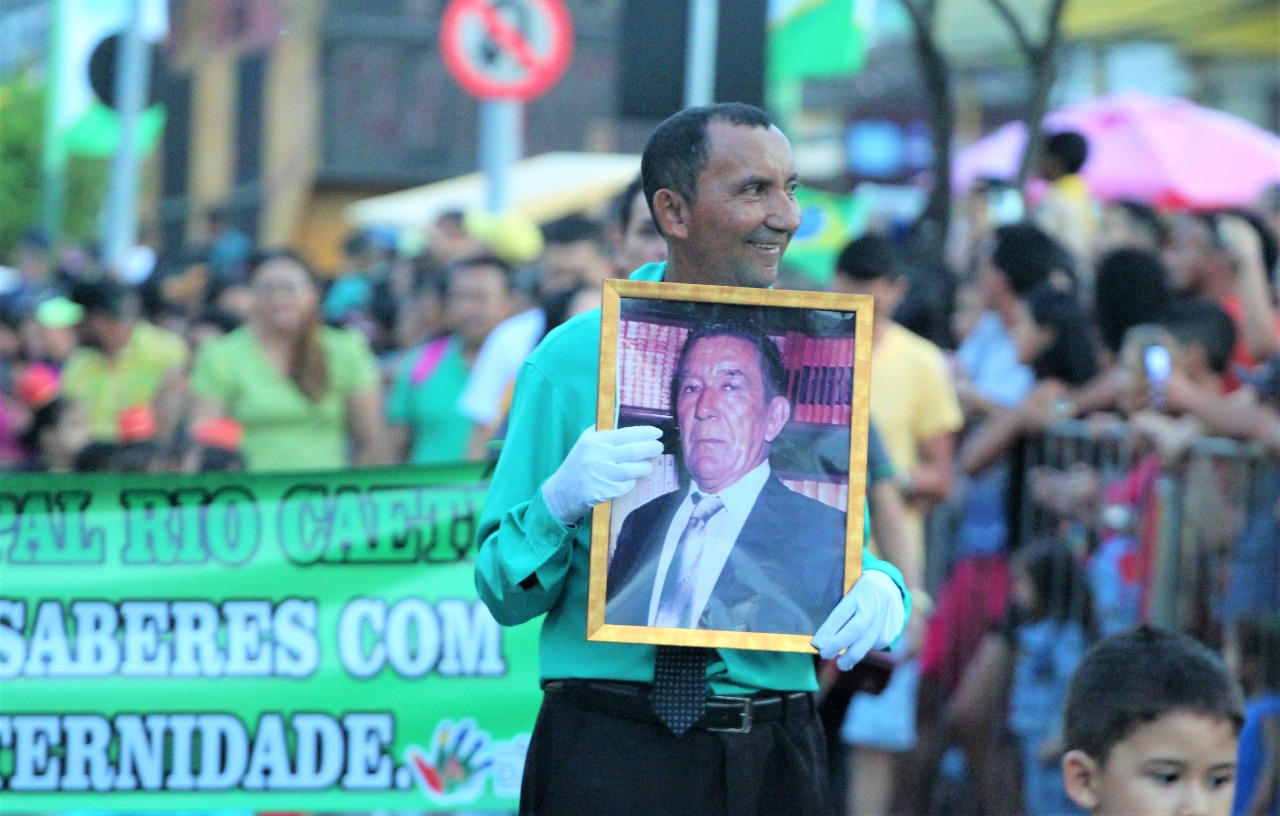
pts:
[1151, 723]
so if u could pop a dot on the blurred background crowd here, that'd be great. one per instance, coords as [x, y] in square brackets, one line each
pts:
[1076, 352]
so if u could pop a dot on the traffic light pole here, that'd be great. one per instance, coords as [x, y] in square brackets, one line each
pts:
[700, 53]
[120, 230]
[54, 159]
[501, 145]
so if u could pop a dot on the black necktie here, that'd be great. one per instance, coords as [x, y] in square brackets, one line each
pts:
[680, 686]
[680, 672]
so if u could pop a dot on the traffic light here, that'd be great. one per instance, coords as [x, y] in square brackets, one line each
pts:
[104, 62]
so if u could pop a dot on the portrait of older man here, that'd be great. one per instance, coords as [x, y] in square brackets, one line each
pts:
[735, 549]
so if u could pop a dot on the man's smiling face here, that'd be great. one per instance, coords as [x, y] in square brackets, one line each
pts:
[726, 418]
[745, 211]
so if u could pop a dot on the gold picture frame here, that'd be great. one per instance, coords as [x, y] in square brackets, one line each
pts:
[826, 368]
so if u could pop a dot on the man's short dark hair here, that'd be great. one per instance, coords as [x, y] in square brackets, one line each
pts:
[771, 365]
[1131, 288]
[870, 257]
[625, 204]
[573, 228]
[1069, 148]
[461, 267]
[676, 151]
[1205, 323]
[1136, 677]
[1025, 254]
[100, 295]
[1146, 219]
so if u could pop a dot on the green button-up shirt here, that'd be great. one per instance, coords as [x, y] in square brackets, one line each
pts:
[554, 401]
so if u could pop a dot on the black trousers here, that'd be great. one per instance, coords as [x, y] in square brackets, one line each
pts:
[585, 761]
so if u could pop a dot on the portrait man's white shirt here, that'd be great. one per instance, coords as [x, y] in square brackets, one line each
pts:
[721, 532]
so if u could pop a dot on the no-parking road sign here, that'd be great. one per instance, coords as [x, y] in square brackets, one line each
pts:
[506, 49]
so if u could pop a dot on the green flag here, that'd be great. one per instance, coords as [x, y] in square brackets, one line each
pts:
[814, 39]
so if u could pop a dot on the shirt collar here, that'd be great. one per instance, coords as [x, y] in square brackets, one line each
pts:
[740, 496]
[652, 272]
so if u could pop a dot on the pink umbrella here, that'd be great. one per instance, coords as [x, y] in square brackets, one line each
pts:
[1167, 152]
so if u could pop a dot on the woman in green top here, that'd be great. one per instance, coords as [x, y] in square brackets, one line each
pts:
[306, 395]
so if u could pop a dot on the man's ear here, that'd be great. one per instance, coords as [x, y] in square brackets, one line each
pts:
[1080, 774]
[671, 213]
[779, 412]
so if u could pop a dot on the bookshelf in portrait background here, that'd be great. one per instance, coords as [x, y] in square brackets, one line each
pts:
[810, 456]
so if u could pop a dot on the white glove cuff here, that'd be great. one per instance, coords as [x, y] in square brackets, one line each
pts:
[561, 510]
[891, 601]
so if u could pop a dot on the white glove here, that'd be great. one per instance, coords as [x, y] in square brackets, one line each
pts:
[602, 465]
[867, 618]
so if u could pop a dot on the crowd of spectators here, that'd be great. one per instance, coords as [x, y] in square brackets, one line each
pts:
[1158, 328]
[1163, 323]
[234, 356]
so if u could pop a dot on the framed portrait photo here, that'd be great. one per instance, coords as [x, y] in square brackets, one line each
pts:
[749, 529]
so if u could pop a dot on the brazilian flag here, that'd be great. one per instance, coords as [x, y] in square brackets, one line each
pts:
[827, 223]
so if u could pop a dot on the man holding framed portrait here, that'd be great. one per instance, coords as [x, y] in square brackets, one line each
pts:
[630, 727]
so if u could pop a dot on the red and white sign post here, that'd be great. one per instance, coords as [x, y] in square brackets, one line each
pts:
[504, 52]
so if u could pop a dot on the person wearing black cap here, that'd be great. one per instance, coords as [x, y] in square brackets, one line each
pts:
[122, 361]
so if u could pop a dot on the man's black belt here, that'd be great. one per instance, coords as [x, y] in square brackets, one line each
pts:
[725, 714]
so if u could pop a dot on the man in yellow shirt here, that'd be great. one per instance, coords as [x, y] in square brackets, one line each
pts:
[916, 411]
[122, 361]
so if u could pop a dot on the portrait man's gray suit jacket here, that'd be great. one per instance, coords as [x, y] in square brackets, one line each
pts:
[784, 574]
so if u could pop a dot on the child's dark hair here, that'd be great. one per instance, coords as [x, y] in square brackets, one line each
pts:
[1071, 149]
[1205, 323]
[1061, 590]
[1136, 677]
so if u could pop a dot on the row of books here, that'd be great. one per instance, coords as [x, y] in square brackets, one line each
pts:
[819, 371]
[833, 494]
[819, 378]
[647, 354]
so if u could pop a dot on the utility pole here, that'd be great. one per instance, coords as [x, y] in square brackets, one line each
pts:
[120, 231]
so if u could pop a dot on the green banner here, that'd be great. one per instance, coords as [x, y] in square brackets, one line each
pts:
[255, 641]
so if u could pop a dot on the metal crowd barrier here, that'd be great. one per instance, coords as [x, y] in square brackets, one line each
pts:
[1197, 510]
